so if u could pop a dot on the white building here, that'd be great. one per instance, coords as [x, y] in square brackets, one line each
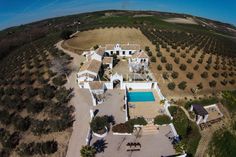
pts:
[89, 71]
[97, 87]
[122, 49]
[95, 54]
[138, 61]
[201, 113]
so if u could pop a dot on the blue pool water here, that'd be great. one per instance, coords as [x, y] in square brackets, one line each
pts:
[140, 96]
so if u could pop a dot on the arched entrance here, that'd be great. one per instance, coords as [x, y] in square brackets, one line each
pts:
[116, 80]
[116, 84]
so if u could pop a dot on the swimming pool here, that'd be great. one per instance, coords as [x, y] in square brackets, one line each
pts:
[140, 96]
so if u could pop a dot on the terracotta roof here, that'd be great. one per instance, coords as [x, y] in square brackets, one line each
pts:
[91, 65]
[107, 60]
[96, 85]
[123, 46]
[141, 54]
[100, 51]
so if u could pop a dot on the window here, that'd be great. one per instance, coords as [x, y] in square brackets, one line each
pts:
[130, 52]
[123, 52]
[111, 52]
[117, 52]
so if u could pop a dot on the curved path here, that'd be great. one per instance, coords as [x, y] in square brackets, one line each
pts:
[82, 103]
[206, 135]
[186, 112]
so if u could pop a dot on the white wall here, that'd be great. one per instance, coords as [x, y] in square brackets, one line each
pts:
[127, 54]
[84, 78]
[85, 72]
[139, 85]
[109, 85]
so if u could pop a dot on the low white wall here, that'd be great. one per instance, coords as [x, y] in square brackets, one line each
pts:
[126, 106]
[108, 85]
[117, 133]
[173, 130]
[139, 85]
[93, 99]
[216, 107]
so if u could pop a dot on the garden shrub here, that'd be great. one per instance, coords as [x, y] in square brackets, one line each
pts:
[128, 126]
[88, 151]
[162, 119]
[122, 128]
[98, 124]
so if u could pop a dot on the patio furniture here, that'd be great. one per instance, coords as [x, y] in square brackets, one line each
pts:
[128, 150]
[131, 105]
[128, 144]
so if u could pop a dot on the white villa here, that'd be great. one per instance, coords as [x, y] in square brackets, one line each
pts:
[89, 71]
[126, 50]
[105, 82]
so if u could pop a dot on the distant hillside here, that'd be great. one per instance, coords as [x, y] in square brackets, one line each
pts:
[14, 37]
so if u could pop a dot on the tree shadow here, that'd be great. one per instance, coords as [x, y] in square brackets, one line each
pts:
[100, 145]
[111, 120]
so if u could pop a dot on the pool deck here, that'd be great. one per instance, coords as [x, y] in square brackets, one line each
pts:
[148, 110]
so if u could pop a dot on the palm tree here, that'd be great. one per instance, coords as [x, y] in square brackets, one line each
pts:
[88, 151]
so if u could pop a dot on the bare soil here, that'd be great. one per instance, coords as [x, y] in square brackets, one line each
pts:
[182, 20]
[85, 40]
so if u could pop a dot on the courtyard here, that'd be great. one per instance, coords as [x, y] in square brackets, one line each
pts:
[112, 105]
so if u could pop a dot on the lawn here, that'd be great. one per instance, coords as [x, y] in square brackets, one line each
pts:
[188, 131]
[203, 102]
[229, 100]
[223, 144]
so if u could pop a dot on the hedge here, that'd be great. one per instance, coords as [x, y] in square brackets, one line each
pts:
[162, 119]
[128, 126]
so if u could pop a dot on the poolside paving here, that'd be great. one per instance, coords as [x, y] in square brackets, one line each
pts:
[148, 109]
[156, 145]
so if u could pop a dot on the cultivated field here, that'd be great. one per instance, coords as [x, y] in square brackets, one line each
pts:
[189, 57]
[181, 20]
[87, 39]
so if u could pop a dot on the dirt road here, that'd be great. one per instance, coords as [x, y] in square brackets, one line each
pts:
[82, 103]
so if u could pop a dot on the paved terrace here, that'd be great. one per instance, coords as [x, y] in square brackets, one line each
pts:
[113, 105]
[156, 145]
[212, 113]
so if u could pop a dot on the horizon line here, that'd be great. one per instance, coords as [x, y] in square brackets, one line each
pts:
[94, 11]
